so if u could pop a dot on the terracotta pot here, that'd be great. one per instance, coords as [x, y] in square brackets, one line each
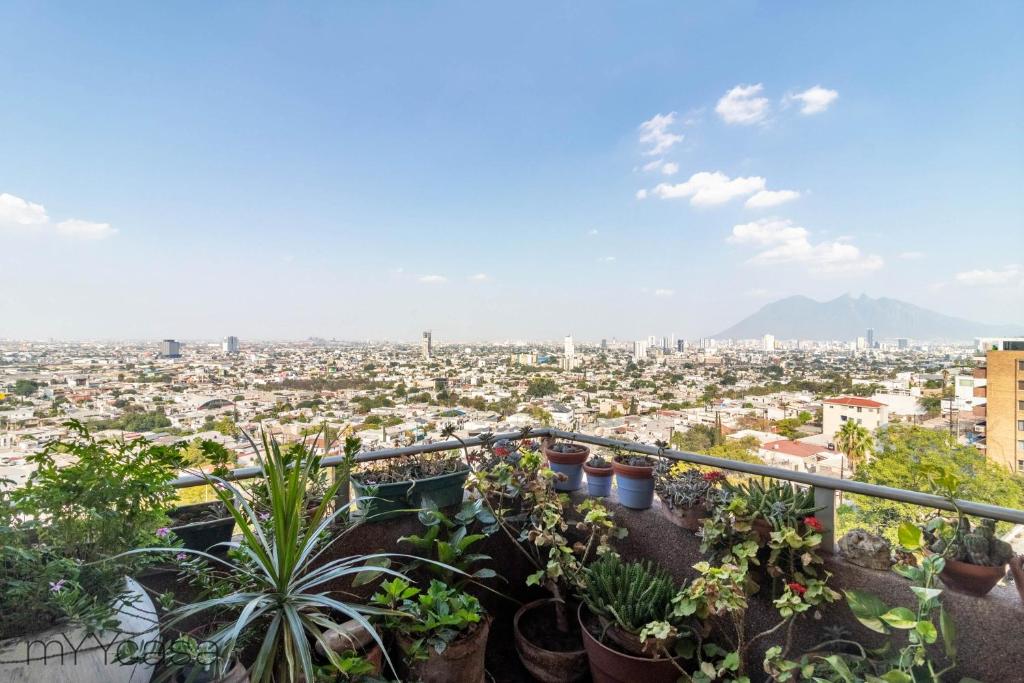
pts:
[598, 471]
[635, 484]
[577, 456]
[236, 674]
[610, 666]
[633, 471]
[461, 662]
[691, 519]
[1017, 569]
[971, 579]
[599, 481]
[548, 666]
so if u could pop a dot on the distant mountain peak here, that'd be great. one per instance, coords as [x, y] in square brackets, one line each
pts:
[847, 317]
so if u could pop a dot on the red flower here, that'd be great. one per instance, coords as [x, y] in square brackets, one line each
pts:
[797, 588]
[813, 523]
[501, 451]
[713, 476]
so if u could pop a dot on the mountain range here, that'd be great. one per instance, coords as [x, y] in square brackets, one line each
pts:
[848, 317]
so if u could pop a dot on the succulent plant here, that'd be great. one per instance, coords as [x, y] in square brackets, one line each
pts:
[684, 487]
[598, 461]
[978, 546]
[631, 594]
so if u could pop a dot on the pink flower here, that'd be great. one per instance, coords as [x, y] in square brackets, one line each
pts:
[797, 588]
[181, 557]
[813, 523]
[57, 586]
[713, 476]
[163, 532]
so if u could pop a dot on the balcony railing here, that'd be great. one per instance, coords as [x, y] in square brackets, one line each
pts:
[825, 488]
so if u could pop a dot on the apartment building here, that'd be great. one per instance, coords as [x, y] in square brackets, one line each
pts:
[864, 411]
[999, 401]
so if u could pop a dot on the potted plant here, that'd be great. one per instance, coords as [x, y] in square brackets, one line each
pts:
[63, 575]
[599, 476]
[685, 492]
[442, 632]
[556, 539]
[405, 484]
[975, 558]
[272, 585]
[197, 661]
[770, 505]
[619, 601]
[567, 458]
[634, 479]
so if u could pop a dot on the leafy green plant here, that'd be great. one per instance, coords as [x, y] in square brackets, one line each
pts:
[86, 501]
[447, 539]
[781, 503]
[957, 539]
[431, 619]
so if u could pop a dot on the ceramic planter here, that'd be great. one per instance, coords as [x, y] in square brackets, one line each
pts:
[599, 481]
[611, 666]
[971, 579]
[461, 662]
[635, 484]
[214, 525]
[236, 674]
[569, 463]
[403, 497]
[25, 659]
[547, 666]
[691, 519]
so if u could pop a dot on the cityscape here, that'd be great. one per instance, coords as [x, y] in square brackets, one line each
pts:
[453, 342]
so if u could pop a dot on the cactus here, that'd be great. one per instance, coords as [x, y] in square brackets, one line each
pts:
[631, 594]
[979, 546]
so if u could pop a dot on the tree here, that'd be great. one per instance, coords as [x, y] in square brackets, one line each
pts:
[930, 404]
[541, 386]
[541, 415]
[903, 456]
[854, 440]
[25, 387]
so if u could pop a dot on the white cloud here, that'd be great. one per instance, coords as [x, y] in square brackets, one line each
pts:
[17, 212]
[814, 100]
[664, 292]
[768, 198]
[652, 165]
[671, 168]
[710, 188]
[641, 194]
[433, 279]
[85, 230]
[783, 242]
[593, 231]
[742, 105]
[654, 132]
[479, 277]
[988, 277]
[912, 255]
[607, 259]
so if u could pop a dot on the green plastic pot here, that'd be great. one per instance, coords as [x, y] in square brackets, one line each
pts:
[403, 497]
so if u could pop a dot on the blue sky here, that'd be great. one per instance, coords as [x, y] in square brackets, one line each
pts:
[368, 170]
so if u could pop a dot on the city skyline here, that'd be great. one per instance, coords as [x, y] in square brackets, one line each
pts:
[599, 170]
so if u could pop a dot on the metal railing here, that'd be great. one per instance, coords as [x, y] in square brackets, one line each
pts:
[825, 488]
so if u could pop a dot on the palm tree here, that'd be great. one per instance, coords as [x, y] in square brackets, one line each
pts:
[856, 441]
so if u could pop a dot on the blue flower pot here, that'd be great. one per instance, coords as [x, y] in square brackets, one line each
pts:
[568, 462]
[599, 486]
[574, 474]
[635, 485]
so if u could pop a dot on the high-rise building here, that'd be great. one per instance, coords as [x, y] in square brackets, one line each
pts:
[640, 350]
[169, 348]
[768, 342]
[569, 361]
[680, 345]
[999, 401]
[426, 346]
[229, 345]
[903, 343]
[652, 341]
[604, 344]
[871, 337]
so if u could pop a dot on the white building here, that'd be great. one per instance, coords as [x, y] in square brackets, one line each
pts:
[229, 345]
[639, 350]
[768, 343]
[864, 411]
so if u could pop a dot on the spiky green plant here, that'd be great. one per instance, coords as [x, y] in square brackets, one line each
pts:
[275, 584]
[780, 502]
[632, 594]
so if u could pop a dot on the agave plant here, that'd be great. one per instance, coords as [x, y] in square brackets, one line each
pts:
[274, 582]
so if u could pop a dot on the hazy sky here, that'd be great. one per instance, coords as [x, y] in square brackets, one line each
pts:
[371, 169]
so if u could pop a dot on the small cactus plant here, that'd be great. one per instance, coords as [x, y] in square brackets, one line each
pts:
[978, 545]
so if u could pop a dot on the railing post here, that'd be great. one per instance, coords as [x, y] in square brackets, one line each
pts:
[825, 499]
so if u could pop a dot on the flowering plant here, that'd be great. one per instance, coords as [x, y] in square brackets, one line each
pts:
[683, 486]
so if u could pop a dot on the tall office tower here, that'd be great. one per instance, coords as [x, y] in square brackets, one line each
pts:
[652, 341]
[871, 337]
[640, 350]
[229, 345]
[861, 343]
[903, 343]
[426, 346]
[768, 342]
[999, 401]
[569, 362]
[604, 344]
[680, 345]
[170, 348]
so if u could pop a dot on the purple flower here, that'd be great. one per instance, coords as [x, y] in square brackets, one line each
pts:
[181, 557]
[57, 586]
[163, 532]
[264, 516]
